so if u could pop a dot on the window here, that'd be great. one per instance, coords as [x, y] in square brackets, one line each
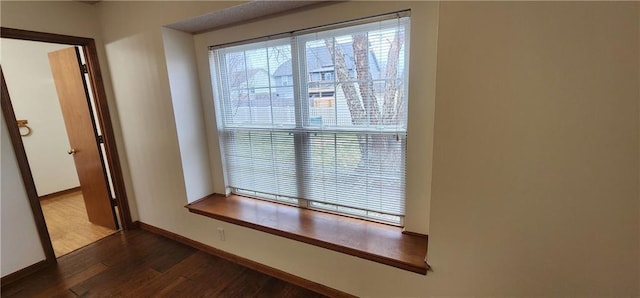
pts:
[286, 80]
[334, 137]
[327, 76]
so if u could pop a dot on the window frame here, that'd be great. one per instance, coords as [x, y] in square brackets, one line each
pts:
[303, 128]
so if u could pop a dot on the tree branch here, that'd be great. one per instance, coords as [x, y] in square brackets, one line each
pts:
[358, 114]
[365, 81]
[392, 100]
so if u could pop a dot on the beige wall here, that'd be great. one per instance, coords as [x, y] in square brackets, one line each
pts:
[135, 49]
[514, 157]
[535, 161]
[187, 110]
[536, 149]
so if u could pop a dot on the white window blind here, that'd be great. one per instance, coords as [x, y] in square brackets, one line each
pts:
[318, 119]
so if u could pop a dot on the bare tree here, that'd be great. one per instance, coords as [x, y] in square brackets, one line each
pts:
[393, 99]
[376, 150]
[363, 105]
[356, 109]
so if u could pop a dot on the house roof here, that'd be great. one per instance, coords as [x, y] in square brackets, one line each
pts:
[319, 59]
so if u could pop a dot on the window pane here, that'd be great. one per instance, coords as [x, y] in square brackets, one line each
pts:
[235, 72]
[283, 106]
[281, 70]
[257, 72]
[358, 73]
[364, 171]
[255, 81]
[260, 161]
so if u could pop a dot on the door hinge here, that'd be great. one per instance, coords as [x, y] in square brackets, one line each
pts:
[100, 140]
[84, 69]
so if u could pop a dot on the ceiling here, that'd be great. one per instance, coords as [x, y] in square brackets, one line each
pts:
[238, 13]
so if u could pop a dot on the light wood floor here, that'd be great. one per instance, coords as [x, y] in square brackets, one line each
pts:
[68, 224]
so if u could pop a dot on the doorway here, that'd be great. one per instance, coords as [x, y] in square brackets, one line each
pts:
[76, 207]
[67, 198]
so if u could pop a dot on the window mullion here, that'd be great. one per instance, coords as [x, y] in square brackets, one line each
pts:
[300, 92]
[300, 137]
[246, 88]
[270, 87]
[225, 93]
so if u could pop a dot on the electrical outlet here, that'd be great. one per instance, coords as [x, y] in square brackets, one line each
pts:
[221, 234]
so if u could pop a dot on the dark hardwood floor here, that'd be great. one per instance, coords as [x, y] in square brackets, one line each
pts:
[141, 264]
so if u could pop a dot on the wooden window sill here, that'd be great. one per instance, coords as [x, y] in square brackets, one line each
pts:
[368, 240]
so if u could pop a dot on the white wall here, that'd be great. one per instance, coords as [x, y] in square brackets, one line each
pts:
[34, 98]
[18, 234]
[535, 161]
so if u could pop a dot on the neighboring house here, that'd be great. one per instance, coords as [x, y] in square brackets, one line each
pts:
[251, 87]
[320, 67]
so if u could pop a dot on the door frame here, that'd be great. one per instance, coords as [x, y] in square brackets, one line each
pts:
[102, 110]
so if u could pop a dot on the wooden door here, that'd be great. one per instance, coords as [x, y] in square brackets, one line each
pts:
[74, 102]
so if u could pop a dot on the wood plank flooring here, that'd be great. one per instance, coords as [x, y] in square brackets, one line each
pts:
[138, 263]
[68, 224]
